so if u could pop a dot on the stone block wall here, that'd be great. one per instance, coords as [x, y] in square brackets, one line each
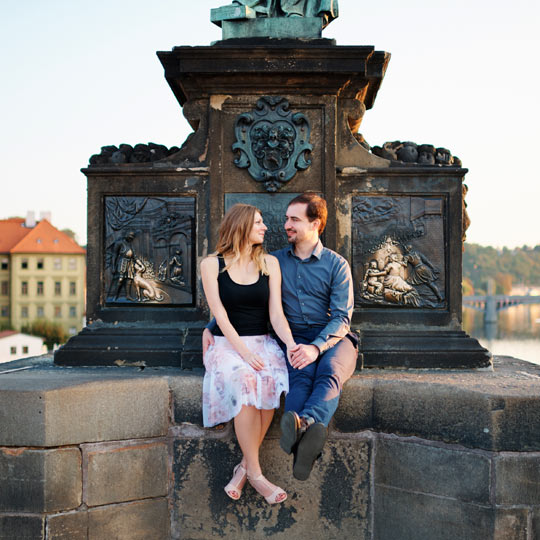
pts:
[119, 453]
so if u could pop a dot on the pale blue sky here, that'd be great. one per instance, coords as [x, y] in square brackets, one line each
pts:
[81, 75]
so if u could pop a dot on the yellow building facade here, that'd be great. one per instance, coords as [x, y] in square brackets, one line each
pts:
[42, 277]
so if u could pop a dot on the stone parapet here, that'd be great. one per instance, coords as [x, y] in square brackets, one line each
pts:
[411, 455]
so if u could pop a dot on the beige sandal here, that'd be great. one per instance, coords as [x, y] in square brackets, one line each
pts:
[261, 485]
[234, 488]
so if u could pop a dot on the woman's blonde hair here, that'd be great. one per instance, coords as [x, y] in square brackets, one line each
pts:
[234, 236]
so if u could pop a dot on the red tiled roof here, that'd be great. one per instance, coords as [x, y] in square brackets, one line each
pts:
[44, 238]
[12, 231]
[7, 333]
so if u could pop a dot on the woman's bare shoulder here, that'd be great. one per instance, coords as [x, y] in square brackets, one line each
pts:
[272, 262]
[210, 263]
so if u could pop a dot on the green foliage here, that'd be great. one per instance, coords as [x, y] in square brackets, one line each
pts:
[5, 326]
[505, 267]
[51, 332]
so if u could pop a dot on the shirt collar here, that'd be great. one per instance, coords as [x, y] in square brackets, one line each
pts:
[317, 250]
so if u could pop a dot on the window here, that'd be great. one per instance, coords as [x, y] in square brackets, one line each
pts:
[4, 265]
[5, 311]
[40, 312]
[57, 288]
[24, 264]
[39, 288]
[40, 264]
[58, 311]
[25, 349]
[72, 264]
[13, 350]
[24, 312]
[72, 311]
[5, 288]
[72, 288]
[57, 264]
[24, 288]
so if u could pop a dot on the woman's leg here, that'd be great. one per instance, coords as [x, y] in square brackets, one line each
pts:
[266, 420]
[248, 428]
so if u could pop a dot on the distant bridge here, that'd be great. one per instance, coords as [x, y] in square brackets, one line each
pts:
[491, 304]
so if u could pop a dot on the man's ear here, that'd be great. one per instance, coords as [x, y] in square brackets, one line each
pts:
[316, 223]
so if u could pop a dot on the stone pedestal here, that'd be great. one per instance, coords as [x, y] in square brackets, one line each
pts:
[299, 102]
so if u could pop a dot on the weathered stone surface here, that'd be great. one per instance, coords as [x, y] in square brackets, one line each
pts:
[119, 472]
[40, 480]
[405, 515]
[518, 479]
[60, 407]
[145, 520]
[22, 527]
[69, 526]
[511, 524]
[333, 503]
[355, 411]
[459, 474]
[535, 523]
[186, 391]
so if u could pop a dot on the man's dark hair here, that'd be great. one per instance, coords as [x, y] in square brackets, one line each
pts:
[316, 208]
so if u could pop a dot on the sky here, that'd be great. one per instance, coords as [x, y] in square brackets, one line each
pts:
[80, 75]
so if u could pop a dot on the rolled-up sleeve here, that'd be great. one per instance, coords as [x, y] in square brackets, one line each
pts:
[341, 305]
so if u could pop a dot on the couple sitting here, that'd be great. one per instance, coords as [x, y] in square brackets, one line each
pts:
[305, 291]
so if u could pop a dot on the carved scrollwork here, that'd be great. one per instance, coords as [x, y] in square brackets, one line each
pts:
[272, 142]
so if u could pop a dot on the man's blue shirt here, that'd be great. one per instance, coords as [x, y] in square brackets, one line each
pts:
[317, 292]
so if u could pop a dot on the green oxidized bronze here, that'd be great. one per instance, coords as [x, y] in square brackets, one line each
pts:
[272, 142]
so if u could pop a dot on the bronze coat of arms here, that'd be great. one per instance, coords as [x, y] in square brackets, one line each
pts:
[272, 142]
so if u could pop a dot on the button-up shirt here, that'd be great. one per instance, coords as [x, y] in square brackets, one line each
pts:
[317, 292]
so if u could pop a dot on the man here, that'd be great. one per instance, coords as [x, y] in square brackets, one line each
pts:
[317, 296]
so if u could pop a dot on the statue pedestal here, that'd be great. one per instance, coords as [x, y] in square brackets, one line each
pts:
[150, 224]
[277, 27]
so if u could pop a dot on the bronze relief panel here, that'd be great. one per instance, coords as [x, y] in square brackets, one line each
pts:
[149, 250]
[399, 251]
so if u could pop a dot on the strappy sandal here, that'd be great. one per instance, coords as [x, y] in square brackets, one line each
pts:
[234, 488]
[261, 484]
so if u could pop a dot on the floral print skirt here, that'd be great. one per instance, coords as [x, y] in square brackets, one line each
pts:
[230, 382]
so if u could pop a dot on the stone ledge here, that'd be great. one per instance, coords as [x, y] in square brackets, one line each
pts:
[478, 409]
[46, 407]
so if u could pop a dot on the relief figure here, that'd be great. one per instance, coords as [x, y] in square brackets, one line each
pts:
[177, 268]
[123, 265]
[145, 289]
[396, 289]
[422, 271]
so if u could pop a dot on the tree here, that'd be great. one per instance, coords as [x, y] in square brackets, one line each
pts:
[52, 333]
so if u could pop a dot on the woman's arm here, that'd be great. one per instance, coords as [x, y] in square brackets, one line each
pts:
[277, 317]
[209, 275]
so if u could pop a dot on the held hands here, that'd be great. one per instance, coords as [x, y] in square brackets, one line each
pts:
[302, 355]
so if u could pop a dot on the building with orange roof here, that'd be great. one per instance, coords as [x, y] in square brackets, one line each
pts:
[42, 275]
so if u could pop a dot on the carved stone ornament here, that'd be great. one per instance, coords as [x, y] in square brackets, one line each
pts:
[272, 142]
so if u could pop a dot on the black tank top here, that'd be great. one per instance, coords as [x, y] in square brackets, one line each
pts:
[246, 305]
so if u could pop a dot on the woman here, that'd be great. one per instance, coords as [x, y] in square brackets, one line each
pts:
[246, 371]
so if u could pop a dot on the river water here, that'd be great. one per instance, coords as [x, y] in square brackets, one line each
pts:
[517, 332]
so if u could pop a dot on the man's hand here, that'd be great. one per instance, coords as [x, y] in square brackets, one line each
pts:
[303, 355]
[207, 340]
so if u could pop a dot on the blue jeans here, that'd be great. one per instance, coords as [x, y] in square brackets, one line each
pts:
[314, 390]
